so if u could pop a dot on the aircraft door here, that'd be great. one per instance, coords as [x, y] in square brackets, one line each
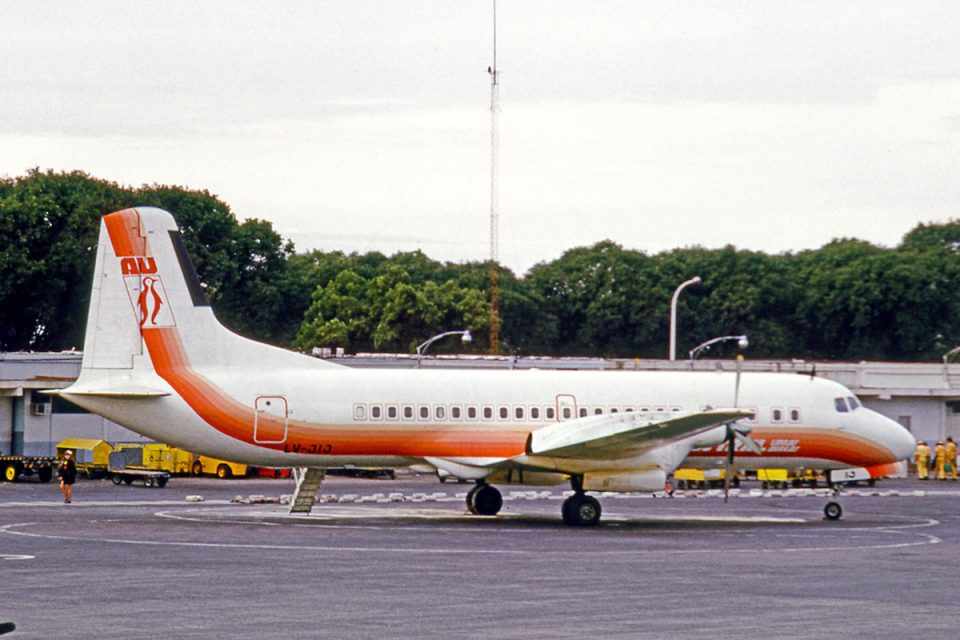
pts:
[566, 407]
[270, 420]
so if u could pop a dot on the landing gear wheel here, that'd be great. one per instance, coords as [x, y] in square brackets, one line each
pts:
[484, 500]
[581, 510]
[10, 473]
[832, 511]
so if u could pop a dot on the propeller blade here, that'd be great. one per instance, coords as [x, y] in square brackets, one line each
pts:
[728, 467]
[749, 443]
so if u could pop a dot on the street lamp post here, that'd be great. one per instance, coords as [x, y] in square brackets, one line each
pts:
[742, 342]
[673, 314]
[421, 348]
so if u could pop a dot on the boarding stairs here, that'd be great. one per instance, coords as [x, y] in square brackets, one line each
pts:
[308, 481]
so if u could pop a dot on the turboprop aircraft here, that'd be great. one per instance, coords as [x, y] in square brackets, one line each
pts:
[157, 361]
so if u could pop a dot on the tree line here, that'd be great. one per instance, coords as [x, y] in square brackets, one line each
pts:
[849, 299]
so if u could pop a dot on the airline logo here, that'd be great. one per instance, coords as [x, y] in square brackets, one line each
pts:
[146, 292]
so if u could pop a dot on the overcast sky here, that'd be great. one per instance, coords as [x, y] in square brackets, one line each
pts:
[364, 125]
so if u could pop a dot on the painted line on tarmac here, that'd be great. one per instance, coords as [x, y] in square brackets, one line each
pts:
[16, 530]
[16, 556]
[109, 503]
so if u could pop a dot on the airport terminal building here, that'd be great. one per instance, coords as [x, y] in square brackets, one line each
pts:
[923, 397]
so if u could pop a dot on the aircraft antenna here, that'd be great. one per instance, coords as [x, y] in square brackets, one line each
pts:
[494, 197]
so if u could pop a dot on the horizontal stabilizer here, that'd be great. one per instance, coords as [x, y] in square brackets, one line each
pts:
[129, 391]
[624, 434]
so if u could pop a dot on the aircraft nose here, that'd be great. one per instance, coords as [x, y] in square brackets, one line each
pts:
[900, 441]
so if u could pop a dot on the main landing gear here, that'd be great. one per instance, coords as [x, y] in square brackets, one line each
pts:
[484, 500]
[580, 510]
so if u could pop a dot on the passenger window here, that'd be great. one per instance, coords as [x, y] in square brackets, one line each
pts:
[488, 413]
[777, 415]
[644, 409]
[583, 412]
[551, 414]
[504, 413]
[794, 415]
[407, 412]
[567, 413]
[629, 409]
[456, 412]
[424, 413]
[840, 405]
[614, 410]
[598, 411]
[359, 412]
[853, 403]
[376, 412]
[535, 413]
[676, 409]
[471, 413]
[518, 412]
[392, 412]
[439, 411]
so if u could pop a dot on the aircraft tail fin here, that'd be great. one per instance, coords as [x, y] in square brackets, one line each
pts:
[146, 292]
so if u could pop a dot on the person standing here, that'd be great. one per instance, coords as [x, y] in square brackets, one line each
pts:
[951, 458]
[940, 459]
[922, 458]
[68, 475]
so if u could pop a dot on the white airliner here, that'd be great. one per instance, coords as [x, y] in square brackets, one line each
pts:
[156, 360]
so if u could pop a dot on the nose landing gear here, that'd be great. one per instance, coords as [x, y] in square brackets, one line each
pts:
[832, 511]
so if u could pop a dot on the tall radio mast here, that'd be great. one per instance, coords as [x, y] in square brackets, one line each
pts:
[494, 199]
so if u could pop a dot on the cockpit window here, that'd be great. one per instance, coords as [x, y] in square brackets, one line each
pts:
[853, 403]
[840, 404]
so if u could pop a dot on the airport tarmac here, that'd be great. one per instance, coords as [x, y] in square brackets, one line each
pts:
[402, 559]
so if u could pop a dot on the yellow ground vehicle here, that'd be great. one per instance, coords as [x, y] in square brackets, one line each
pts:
[91, 455]
[702, 479]
[163, 457]
[223, 469]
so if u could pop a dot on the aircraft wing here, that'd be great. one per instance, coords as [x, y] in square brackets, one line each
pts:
[623, 435]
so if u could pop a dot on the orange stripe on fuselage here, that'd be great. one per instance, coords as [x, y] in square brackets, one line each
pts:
[236, 420]
[821, 444]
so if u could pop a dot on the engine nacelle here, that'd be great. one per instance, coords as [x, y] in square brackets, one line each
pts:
[652, 480]
[712, 438]
[519, 476]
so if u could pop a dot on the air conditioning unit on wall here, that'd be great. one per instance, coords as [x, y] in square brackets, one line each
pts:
[40, 408]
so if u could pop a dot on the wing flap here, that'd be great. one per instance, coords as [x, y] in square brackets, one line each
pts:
[624, 434]
[121, 391]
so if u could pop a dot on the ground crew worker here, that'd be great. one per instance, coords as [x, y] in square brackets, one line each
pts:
[940, 459]
[922, 458]
[951, 458]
